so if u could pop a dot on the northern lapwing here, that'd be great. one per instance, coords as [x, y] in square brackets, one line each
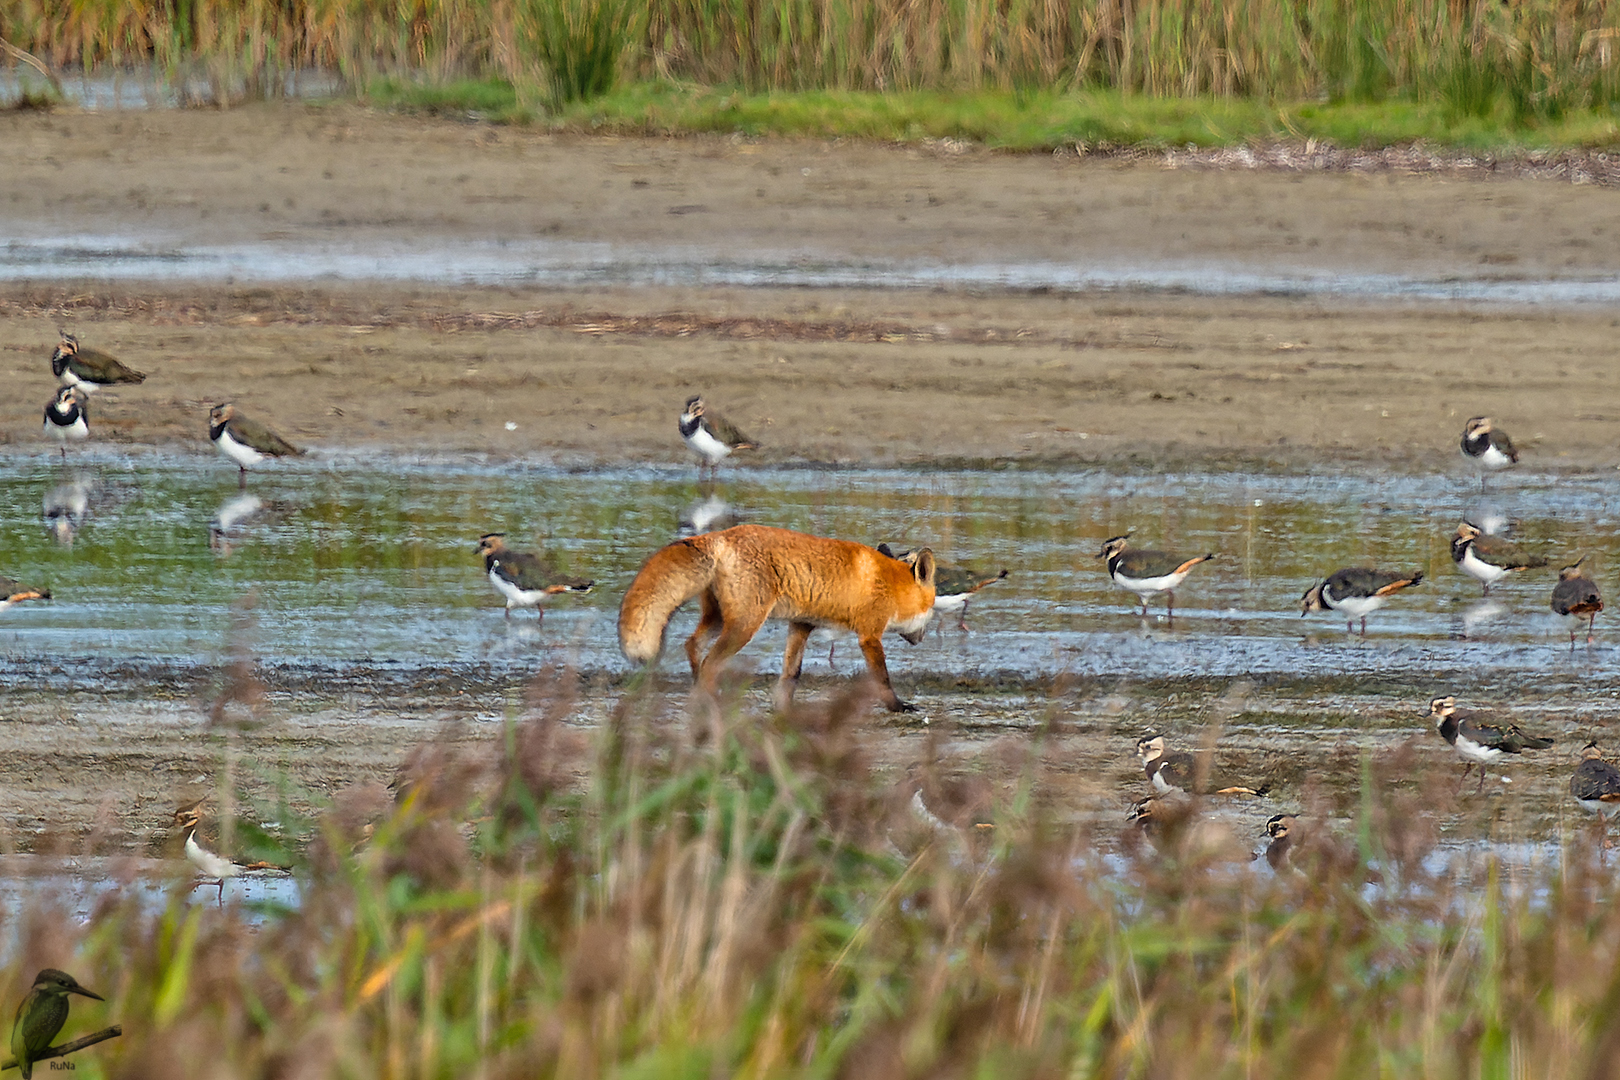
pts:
[953, 586]
[41, 1015]
[1356, 592]
[1157, 816]
[1576, 596]
[88, 369]
[710, 435]
[525, 579]
[12, 592]
[214, 867]
[1280, 852]
[245, 441]
[1177, 771]
[1487, 559]
[67, 417]
[1487, 446]
[1147, 572]
[1596, 783]
[1477, 738]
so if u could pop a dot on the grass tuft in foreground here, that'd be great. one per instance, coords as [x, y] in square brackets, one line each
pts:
[761, 903]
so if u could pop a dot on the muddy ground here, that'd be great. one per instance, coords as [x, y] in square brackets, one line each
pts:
[842, 375]
[820, 374]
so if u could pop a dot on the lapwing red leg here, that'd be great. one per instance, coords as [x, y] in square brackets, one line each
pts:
[241, 479]
[1590, 626]
[961, 621]
[1169, 606]
[1364, 626]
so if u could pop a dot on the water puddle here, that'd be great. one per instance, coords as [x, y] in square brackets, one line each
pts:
[144, 89]
[572, 264]
[368, 564]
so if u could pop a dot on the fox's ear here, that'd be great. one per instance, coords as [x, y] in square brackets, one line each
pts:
[923, 567]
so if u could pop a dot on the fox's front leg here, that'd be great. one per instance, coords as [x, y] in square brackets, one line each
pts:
[792, 662]
[872, 646]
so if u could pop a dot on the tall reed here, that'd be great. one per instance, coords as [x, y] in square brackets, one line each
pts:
[1530, 57]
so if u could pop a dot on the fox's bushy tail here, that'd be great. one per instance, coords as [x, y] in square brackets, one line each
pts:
[673, 575]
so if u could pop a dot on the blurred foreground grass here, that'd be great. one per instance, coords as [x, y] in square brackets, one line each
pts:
[669, 898]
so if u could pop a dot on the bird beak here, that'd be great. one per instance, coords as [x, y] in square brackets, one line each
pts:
[76, 989]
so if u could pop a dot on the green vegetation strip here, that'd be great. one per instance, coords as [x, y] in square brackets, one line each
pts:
[1005, 119]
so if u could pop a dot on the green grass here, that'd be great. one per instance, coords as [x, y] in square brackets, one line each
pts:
[1009, 120]
[749, 898]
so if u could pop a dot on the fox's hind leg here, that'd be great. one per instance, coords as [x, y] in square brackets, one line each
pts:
[734, 635]
[792, 663]
[709, 624]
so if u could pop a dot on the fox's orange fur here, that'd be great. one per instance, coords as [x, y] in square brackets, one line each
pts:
[750, 573]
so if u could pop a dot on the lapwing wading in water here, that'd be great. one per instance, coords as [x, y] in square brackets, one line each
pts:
[12, 592]
[1489, 448]
[524, 579]
[710, 435]
[1487, 559]
[1477, 737]
[215, 868]
[1576, 596]
[1148, 572]
[1173, 771]
[67, 417]
[41, 1015]
[1356, 592]
[88, 369]
[245, 441]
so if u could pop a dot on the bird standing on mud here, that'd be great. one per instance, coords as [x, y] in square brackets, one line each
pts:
[244, 441]
[41, 1016]
[67, 417]
[1477, 738]
[87, 369]
[1491, 448]
[710, 435]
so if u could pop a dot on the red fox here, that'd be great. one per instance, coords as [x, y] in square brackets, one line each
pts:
[750, 573]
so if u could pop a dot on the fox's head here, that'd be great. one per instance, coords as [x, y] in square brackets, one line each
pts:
[913, 612]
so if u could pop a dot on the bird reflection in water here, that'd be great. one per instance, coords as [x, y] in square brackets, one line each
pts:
[234, 517]
[708, 514]
[66, 506]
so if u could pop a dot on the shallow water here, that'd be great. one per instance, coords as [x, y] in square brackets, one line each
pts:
[572, 264]
[370, 563]
[144, 89]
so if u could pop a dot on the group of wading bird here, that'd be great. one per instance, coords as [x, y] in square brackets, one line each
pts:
[850, 584]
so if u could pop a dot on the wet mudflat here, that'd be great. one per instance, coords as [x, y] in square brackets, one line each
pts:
[1006, 358]
[354, 588]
